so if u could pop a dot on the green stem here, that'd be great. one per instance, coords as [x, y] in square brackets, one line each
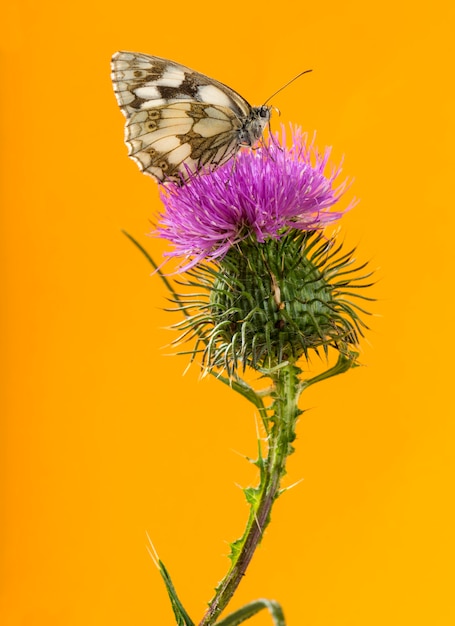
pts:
[272, 469]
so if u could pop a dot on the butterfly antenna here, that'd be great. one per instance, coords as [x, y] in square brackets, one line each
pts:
[287, 84]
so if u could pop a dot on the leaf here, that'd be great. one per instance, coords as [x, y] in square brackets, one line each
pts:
[249, 610]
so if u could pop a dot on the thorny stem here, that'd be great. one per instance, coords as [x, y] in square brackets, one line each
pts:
[272, 469]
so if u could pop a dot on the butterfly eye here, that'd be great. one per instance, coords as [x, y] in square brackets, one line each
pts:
[264, 111]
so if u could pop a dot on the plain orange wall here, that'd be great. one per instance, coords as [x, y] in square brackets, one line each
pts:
[103, 439]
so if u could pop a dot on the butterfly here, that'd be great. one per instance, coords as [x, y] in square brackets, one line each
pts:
[180, 122]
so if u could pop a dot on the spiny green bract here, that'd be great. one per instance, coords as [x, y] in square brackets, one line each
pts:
[274, 302]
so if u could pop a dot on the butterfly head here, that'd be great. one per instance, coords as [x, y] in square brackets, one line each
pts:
[254, 125]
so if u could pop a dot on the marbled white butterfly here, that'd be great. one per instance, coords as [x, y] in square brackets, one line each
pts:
[179, 121]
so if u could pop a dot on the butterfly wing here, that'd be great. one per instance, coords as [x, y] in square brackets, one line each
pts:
[172, 141]
[178, 121]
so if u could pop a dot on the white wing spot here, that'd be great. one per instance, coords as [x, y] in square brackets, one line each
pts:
[171, 78]
[153, 104]
[212, 95]
[147, 93]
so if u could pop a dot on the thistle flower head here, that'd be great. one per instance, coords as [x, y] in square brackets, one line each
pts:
[262, 195]
[271, 287]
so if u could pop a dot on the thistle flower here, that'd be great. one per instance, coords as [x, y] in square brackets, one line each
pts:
[271, 286]
[262, 195]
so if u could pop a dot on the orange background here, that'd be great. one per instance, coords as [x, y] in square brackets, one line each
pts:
[103, 439]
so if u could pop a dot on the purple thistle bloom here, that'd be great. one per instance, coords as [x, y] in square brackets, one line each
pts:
[263, 194]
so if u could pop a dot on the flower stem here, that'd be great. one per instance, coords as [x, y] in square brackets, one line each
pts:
[283, 420]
